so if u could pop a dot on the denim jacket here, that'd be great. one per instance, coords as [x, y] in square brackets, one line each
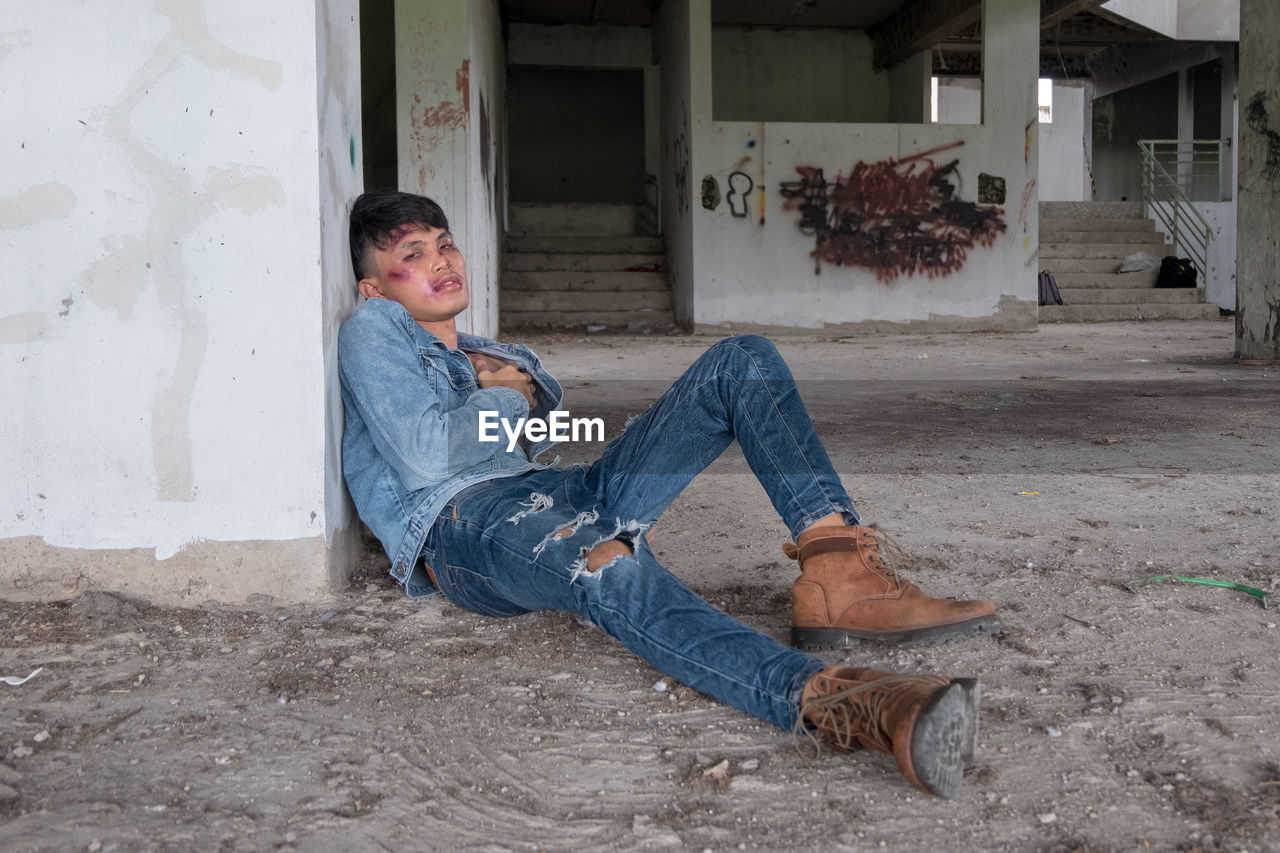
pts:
[412, 425]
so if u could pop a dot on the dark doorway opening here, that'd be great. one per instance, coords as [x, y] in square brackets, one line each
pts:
[378, 93]
[575, 134]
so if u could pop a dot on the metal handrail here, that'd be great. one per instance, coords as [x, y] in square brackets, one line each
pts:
[1167, 200]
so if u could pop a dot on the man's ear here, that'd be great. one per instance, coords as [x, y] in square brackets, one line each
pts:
[369, 288]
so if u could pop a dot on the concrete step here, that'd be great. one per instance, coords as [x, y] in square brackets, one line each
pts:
[1118, 251]
[1062, 266]
[1051, 225]
[1124, 280]
[1131, 295]
[1108, 313]
[1102, 238]
[595, 219]
[569, 301]
[536, 261]
[584, 244]
[1092, 210]
[558, 280]
[613, 321]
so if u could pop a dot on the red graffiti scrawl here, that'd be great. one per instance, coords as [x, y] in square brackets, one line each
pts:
[895, 217]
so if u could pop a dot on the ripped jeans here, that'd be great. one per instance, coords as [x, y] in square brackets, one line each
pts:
[517, 544]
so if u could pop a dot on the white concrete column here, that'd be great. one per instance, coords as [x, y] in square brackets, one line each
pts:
[1186, 127]
[1258, 205]
[1011, 110]
[178, 264]
[1011, 63]
[441, 47]
[341, 170]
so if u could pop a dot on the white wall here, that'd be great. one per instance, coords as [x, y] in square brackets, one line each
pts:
[959, 100]
[1064, 175]
[162, 342]
[756, 76]
[1209, 20]
[752, 273]
[1219, 277]
[1158, 15]
[1189, 20]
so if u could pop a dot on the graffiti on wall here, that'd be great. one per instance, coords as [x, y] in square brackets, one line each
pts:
[896, 217]
[710, 192]
[740, 184]
[1259, 122]
[680, 161]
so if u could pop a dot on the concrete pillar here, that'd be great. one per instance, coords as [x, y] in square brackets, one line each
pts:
[172, 418]
[1011, 104]
[1258, 204]
[1186, 127]
[911, 89]
[1228, 113]
[1087, 138]
[449, 79]
[1011, 65]
[682, 40]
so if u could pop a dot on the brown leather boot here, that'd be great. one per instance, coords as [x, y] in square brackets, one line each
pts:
[846, 593]
[929, 724]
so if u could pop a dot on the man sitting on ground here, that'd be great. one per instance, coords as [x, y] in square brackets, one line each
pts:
[500, 534]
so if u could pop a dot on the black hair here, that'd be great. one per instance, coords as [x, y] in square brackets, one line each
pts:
[376, 215]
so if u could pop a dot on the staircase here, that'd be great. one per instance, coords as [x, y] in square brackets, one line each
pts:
[1084, 243]
[582, 267]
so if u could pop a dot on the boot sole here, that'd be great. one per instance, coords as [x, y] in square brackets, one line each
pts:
[943, 732]
[972, 692]
[817, 639]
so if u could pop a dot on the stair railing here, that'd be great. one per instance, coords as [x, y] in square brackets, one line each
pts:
[1195, 166]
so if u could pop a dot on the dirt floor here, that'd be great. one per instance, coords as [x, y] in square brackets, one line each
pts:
[1042, 471]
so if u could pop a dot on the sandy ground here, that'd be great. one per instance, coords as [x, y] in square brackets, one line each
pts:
[1041, 471]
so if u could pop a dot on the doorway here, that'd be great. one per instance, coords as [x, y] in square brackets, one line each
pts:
[575, 135]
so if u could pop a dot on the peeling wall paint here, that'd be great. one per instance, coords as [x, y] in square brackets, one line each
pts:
[161, 212]
[449, 57]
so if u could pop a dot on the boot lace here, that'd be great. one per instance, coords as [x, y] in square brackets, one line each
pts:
[883, 552]
[851, 717]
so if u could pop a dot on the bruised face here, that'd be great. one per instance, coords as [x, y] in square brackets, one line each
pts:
[423, 271]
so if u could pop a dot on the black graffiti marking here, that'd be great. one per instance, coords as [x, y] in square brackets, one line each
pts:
[740, 184]
[810, 195]
[710, 193]
[680, 163]
[1257, 119]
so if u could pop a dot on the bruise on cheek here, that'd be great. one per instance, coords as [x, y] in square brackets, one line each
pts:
[399, 273]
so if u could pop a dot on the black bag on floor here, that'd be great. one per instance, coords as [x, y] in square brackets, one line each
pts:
[1049, 294]
[1176, 272]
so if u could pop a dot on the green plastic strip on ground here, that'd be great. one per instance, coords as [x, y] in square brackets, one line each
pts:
[1254, 591]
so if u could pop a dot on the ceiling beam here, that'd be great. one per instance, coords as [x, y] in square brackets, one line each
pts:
[919, 25]
[1054, 12]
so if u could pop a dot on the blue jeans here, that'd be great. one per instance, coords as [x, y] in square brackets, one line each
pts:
[495, 548]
